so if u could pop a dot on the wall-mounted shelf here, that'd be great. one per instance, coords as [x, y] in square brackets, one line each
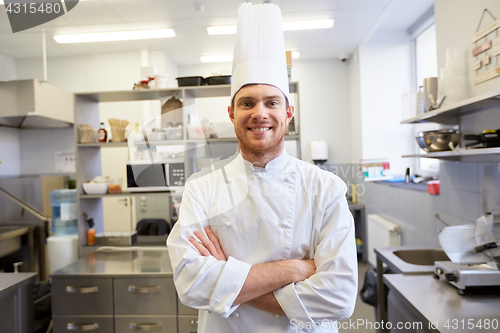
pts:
[173, 189]
[451, 114]
[465, 155]
[102, 144]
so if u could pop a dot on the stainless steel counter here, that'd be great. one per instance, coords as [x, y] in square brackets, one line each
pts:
[121, 263]
[13, 281]
[437, 302]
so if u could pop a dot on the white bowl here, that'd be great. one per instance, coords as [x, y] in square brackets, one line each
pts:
[95, 188]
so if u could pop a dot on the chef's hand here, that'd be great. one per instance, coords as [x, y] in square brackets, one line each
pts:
[305, 268]
[209, 245]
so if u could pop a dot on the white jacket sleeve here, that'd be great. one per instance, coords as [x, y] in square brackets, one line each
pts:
[330, 293]
[202, 282]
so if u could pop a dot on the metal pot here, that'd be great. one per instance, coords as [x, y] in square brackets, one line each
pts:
[439, 140]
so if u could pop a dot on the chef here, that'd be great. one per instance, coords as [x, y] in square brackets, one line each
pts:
[264, 241]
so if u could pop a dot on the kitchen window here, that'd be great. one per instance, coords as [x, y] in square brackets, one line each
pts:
[425, 65]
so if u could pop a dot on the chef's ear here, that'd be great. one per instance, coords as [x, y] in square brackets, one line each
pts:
[289, 113]
[230, 111]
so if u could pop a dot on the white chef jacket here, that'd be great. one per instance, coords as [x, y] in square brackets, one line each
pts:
[288, 210]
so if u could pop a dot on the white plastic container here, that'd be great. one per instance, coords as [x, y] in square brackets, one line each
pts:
[156, 136]
[195, 131]
[173, 133]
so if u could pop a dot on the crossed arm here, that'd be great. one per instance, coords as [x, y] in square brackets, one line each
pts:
[263, 279]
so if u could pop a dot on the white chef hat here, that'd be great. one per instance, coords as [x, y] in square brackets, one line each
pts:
[259, 53]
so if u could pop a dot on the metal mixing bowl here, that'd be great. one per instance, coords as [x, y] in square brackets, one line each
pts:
[438, 140]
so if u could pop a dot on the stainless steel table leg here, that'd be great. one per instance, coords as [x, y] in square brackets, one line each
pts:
[381, 300]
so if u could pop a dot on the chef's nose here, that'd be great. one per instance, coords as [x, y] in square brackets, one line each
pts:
[260, 111]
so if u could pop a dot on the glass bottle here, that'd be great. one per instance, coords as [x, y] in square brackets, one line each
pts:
[102, 134]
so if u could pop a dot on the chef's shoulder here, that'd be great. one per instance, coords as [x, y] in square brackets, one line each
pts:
[326, 181]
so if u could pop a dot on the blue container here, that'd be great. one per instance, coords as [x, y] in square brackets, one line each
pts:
[64, 213]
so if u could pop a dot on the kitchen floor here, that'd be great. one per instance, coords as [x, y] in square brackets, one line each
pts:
[363, 313]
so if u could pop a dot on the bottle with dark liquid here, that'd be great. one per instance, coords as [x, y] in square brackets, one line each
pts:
[102, 134]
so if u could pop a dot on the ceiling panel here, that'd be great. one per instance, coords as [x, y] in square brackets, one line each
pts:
[356, 4]
[92, 12]
[350, 19]
[353, 20]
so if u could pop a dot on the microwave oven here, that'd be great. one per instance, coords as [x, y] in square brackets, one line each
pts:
[145, 176]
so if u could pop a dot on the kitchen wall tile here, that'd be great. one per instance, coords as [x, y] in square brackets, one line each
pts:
[470, 206]
[469, 177]
[454, 201]
[449, 174]
[480, 174]
[451, 220]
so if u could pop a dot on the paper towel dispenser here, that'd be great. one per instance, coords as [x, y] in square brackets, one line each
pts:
[31, 104]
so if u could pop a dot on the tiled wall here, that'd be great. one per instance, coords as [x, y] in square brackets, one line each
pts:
[459, 202]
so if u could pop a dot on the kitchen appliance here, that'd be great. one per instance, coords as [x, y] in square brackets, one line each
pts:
[438, 140]
[30, 104]
[144, 176]
[474, 251]
[430, 92]
[487, 139]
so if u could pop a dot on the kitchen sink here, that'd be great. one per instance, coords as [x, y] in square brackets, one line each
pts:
[424, 257]
[10, 239]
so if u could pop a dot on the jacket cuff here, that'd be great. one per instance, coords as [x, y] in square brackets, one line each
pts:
[231, 280]
[291, 304]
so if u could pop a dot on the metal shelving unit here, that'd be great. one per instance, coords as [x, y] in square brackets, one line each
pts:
[451, 115]
[88, 155]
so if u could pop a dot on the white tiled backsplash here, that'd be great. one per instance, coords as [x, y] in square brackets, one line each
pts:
[459, 202]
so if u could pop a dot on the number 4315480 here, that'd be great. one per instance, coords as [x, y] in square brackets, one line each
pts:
[32, 8]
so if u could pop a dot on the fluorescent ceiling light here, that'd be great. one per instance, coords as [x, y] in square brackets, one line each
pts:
[287, 26]
[217, 58]
[222, 30]
[308, 25]
[295, 55]
[114, 36]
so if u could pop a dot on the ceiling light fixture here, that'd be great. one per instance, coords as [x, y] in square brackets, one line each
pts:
[217, 58]
[295, 55]
[222, 30]
[114, 36]
[287, 26]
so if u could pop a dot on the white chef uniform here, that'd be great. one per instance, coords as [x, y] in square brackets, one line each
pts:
[288, 210]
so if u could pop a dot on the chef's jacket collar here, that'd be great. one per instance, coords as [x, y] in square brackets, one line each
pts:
[273, 166]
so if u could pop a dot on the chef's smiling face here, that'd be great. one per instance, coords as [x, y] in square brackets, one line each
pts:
[260, 115]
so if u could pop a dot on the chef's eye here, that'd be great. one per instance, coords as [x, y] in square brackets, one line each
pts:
[245, 104]
[273, 103]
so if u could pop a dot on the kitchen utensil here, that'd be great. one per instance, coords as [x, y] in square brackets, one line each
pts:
[439, 140]
[430, 92]
[220, 79]
[488, 138]
[95, 188]
[190, 81]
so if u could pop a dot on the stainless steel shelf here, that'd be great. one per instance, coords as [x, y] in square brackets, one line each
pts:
[128, 194]
[450, 114]
[102, 144]
[153, 94]
[479, 154]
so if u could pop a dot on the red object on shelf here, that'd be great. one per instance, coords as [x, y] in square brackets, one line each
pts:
[433, 187]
